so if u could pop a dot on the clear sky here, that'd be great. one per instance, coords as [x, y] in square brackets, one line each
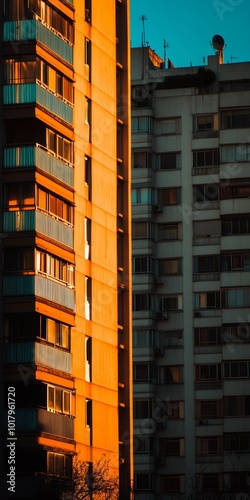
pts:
[188, 27]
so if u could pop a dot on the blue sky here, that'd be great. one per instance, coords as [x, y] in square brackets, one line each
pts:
[188, 27]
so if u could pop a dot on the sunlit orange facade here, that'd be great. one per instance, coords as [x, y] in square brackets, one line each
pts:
[65, 234]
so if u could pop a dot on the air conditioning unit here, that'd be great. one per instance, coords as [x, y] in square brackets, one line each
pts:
[160, 461]
[161, 315]
[159, 351]
[157, 209]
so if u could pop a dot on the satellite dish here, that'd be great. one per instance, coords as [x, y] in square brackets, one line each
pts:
[218, 42]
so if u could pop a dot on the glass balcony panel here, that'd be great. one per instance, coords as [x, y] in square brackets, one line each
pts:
[38, 156]
[39, 420]
[34, 93]
[14, 286]
[32, 29]
[38, 353]
[32, 220]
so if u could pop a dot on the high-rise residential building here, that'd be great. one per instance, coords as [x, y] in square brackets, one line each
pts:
[191, 276]
[65, 241]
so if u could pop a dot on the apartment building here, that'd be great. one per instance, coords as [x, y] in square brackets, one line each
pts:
[191, 276]
[65, 241]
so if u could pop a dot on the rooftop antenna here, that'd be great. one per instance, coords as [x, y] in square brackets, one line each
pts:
[166, 46]
[233, 57]
[143, 19]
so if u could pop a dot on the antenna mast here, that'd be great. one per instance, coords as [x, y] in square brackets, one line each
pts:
[166, 45]
[143, 19]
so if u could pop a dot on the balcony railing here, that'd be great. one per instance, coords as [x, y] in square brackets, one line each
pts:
[38, 353]
[39, 420]
[27, 93]
[34, 29]
[38, 156]
[34, 220]
[40, 286]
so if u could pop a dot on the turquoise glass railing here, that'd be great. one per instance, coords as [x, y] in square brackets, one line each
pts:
[41, 286]
[32, 29]
[38, 353]
[34, 93]
[37, 156]
[33, 220]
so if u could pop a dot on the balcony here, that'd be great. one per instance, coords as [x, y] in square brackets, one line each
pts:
[34, 220]
[40, 286]
[38, 156]
[33, 29]
[28, 93]
[40, 420]
[38, 353]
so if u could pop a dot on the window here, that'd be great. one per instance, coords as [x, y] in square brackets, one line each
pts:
[171, 374]
[235, 297]
[143, 444]
[235, 118]
[208, 409]
[87, 237]
[59, 464]
[19, 71]
[236, 226]
[169, 232]
[236, 189]
[170, 303]
[235, 262]
[237, 442]
[236, 333]
[235, 153]
[143, 372]
[172, 447]
[207, 228]
[206, 264]
[142, 301]
[208, 336]
[169, 266]
[236, 406]
[88, 59]
[88, 11]
[143, 482]
[59, 400]
[210, 482]
[55, 332]
[19, 196]
[59, 146]
[54, 81]
[204, 123]
[142, 159]
[208, 372]
[52, 266]
[50, 203]
[142, 265]
[206, 193]
[88, 357]
[171, 338]
[142, 124]
[142, 195]
[143, 408]
[143, 338]
[88, 176]
[237, 369]
[87, 111]
[174, 409]
[207, 300]
[88, 297]
[170, 196]
[169, 126]
[172, 484]
[206, 158]
[18, 259]
[168, 161]
[207, 446]
[240, 481]
[141, 230]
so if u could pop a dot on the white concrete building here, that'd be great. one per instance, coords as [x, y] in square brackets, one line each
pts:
[191, 277]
